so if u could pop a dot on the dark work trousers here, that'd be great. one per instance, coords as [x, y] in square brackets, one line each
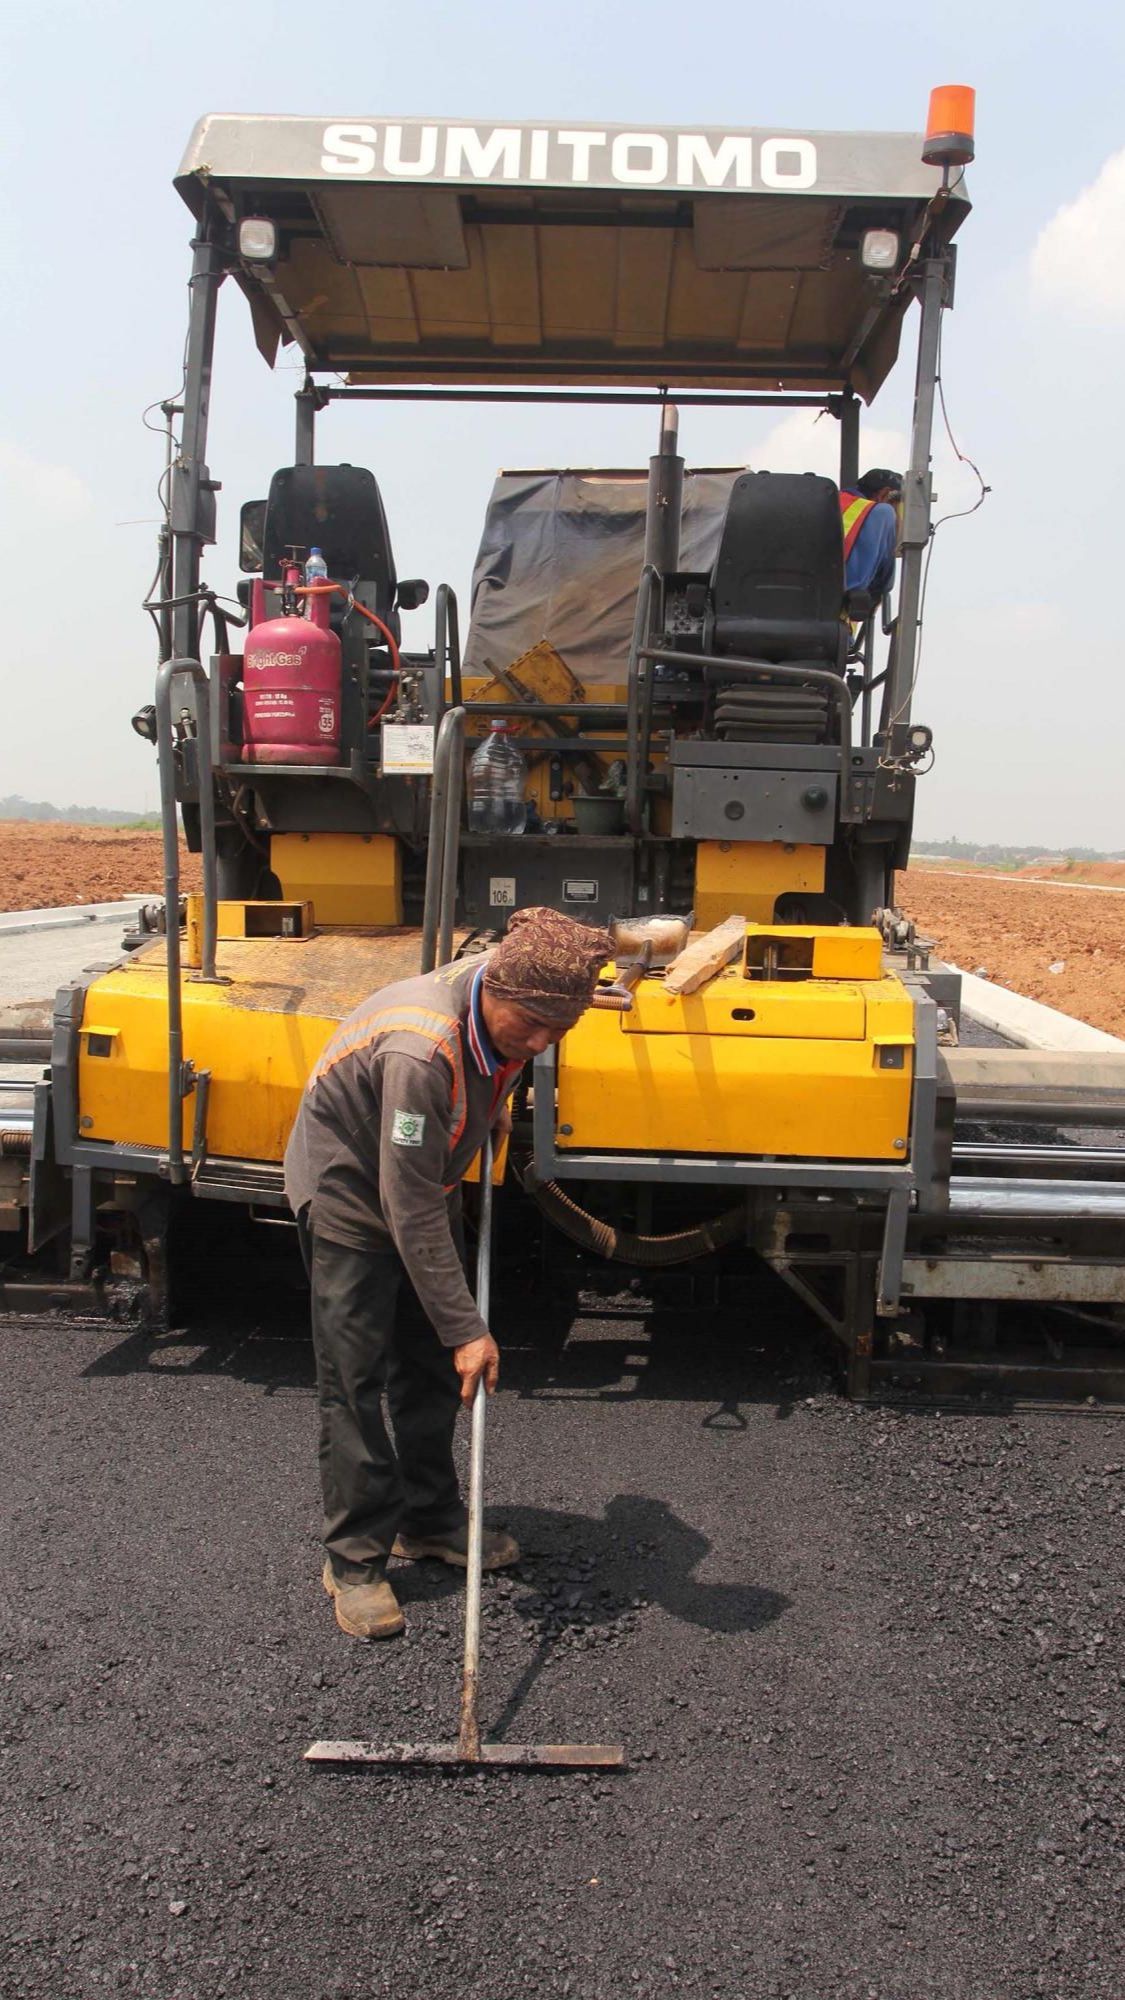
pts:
[371, 1339]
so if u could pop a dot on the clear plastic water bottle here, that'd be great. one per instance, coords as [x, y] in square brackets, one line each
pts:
[316, 571]
[497, 777]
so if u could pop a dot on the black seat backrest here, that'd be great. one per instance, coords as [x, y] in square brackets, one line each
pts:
[338, 509]
[778, 581]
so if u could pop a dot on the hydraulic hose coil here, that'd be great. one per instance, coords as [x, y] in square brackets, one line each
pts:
[622, 1246]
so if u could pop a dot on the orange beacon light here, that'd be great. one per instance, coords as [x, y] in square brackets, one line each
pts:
[949, 127]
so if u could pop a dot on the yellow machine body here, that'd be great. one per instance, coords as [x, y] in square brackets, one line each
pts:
[349, 878]
[814, 1061]
[748, 876]
[813, 1066]
[258, 1031]
[258, 1034]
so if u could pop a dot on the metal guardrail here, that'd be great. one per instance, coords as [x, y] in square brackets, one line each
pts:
[182, 1077]
[442, 854]
[447, 645]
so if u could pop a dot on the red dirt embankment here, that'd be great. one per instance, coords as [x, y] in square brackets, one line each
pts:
[1015, 928]
[47, 863]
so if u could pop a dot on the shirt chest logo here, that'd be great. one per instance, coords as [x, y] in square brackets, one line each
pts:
[408, 1128]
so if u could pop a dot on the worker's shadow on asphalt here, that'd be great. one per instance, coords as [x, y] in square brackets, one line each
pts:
[643, 1555]
[585, 1581]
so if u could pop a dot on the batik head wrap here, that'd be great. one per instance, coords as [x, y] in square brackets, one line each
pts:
[547, 964]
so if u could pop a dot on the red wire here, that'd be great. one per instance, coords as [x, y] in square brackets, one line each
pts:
[321, 590]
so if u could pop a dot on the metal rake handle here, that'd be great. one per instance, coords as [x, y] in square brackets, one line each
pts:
[469, 1734]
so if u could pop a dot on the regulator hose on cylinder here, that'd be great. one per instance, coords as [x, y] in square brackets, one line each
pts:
[621, 1246]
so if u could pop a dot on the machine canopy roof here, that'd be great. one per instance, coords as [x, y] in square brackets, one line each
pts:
[427, 251]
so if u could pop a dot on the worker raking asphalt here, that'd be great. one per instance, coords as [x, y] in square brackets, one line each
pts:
[869, 1665]
[405, 1095]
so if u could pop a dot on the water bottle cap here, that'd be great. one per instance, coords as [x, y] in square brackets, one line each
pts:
[316, 552]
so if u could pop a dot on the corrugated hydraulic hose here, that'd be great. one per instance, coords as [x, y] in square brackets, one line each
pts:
[622, 1246]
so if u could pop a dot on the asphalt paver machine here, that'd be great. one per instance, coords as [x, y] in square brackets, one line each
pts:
[720, 743]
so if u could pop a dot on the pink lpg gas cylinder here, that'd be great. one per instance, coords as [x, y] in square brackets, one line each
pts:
[291, 678]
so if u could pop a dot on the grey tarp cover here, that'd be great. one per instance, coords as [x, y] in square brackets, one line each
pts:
[561, 558]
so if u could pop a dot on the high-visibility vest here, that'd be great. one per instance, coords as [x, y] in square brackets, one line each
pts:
[854, 509]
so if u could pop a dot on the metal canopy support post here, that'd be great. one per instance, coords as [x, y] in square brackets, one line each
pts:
[917, 496]
[304, 442]
[665, 498]
[192, 492]
[849, 439]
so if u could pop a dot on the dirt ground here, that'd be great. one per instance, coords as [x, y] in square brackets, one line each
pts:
[1015, 927]
[46, 864]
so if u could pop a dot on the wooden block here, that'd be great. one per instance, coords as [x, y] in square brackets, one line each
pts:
[699, 961]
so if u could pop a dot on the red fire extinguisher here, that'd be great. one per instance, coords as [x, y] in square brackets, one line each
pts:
[292, 670]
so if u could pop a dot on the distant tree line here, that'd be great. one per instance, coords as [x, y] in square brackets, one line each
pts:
[997, 854]
[16, 808]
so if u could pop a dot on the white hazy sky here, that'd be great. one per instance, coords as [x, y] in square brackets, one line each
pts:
[1021, 675]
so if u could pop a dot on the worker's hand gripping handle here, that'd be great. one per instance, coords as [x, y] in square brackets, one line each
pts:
[478, 1361]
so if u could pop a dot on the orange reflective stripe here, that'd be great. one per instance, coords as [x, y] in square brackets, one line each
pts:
[443, 1030]
[414, 1020]
[854, 509]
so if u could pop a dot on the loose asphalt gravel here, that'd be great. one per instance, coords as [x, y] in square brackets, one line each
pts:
[867, 1665]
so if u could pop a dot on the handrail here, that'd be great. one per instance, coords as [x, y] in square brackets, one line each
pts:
[179, 1077]
[739, 669]
[447, 640]
[635, 762]
[444, 840]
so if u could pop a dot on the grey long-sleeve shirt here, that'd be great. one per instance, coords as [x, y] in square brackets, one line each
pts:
[394, 1113]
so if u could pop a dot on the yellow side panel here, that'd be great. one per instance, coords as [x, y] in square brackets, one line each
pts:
[730, 1005]
[745, 877]
[259, 1035]
[350, 878]
[692, 1090]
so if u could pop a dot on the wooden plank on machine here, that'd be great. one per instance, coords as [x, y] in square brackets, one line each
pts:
[699, 961]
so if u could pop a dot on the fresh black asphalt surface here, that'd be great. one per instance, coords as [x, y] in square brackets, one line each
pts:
[867, 1666]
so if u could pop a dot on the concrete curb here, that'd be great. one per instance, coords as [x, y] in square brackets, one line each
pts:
[1028, 1022]
[71, 916]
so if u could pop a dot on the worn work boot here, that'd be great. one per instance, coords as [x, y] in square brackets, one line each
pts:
[365, 1610]
[499, 1549]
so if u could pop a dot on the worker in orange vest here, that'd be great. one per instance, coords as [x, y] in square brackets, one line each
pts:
[869, 518]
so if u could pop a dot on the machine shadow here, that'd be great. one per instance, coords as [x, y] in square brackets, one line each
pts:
[240, 1308]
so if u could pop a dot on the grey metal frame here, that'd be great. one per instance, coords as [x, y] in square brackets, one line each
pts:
[917, 496]
[699, 1169]
[182, 1076]
[439, 909]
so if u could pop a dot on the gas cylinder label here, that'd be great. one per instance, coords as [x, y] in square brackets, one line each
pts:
[580, 892]
[408, 747]
[502, 891]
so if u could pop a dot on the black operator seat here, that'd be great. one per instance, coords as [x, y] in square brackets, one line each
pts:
[339, 510]
[777, 594]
